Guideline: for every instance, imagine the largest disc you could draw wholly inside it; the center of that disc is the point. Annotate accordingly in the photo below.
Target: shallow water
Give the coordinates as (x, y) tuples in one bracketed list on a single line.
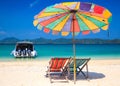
[(49, 50)]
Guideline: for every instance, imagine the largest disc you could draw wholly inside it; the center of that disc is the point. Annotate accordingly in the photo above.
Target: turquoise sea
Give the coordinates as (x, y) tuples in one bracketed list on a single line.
[(48, 51)]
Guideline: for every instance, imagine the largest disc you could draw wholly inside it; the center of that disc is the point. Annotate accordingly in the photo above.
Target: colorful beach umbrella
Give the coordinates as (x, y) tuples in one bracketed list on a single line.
[(75, 18)]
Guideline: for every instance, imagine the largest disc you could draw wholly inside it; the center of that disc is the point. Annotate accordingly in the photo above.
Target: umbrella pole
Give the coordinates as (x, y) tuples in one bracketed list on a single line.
[(74, 59), (74, 53)]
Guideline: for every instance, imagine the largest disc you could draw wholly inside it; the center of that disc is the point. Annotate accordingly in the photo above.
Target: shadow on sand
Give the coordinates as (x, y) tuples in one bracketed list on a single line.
[(91, 76)]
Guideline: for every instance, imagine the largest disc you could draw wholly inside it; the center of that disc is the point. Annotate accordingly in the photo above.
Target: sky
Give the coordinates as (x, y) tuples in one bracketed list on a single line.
[(16, 19)]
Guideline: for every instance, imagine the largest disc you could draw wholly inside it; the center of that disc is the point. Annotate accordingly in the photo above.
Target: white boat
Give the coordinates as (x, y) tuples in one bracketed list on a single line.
[(24, 49)]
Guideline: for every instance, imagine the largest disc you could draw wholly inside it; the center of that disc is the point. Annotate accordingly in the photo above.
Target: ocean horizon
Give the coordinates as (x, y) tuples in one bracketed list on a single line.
[(47, 51)]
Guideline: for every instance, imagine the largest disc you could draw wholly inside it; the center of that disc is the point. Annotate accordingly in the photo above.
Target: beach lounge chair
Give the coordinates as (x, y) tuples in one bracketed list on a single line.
[(80, 64), (57, 68)]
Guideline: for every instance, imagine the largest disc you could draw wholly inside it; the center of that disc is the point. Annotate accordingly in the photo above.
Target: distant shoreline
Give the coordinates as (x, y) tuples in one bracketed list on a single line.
[(13, 40)]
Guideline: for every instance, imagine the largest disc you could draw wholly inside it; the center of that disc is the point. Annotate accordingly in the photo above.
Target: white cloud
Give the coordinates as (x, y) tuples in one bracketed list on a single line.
[(2, 32), (33, 3)]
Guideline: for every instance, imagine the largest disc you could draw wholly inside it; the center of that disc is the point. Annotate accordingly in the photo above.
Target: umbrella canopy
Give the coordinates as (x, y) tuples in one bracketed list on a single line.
[(73, 17), (59, 18)]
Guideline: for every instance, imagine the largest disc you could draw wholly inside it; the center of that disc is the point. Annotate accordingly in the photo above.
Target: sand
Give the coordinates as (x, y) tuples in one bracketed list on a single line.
[(32, 73)]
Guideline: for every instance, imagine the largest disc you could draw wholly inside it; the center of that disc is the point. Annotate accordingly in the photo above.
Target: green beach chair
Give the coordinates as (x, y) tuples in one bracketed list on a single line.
[(80, 64)]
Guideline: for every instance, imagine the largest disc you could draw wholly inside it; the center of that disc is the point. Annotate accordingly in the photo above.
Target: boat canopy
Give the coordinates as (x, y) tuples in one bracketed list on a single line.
[(24, 45)]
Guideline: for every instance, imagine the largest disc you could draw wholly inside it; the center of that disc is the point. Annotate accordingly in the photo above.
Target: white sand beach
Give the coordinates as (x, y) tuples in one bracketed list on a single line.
[(32, 73)]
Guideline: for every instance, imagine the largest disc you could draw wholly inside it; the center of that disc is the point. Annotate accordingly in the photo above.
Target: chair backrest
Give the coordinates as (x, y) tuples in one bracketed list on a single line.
[(79, 62), (58, 63)]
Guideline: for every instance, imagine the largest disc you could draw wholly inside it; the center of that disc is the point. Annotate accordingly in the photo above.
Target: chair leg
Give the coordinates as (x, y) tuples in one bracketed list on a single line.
[(66, 77), (68, 71), (50, 79), (87, 70), (49, 76)]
